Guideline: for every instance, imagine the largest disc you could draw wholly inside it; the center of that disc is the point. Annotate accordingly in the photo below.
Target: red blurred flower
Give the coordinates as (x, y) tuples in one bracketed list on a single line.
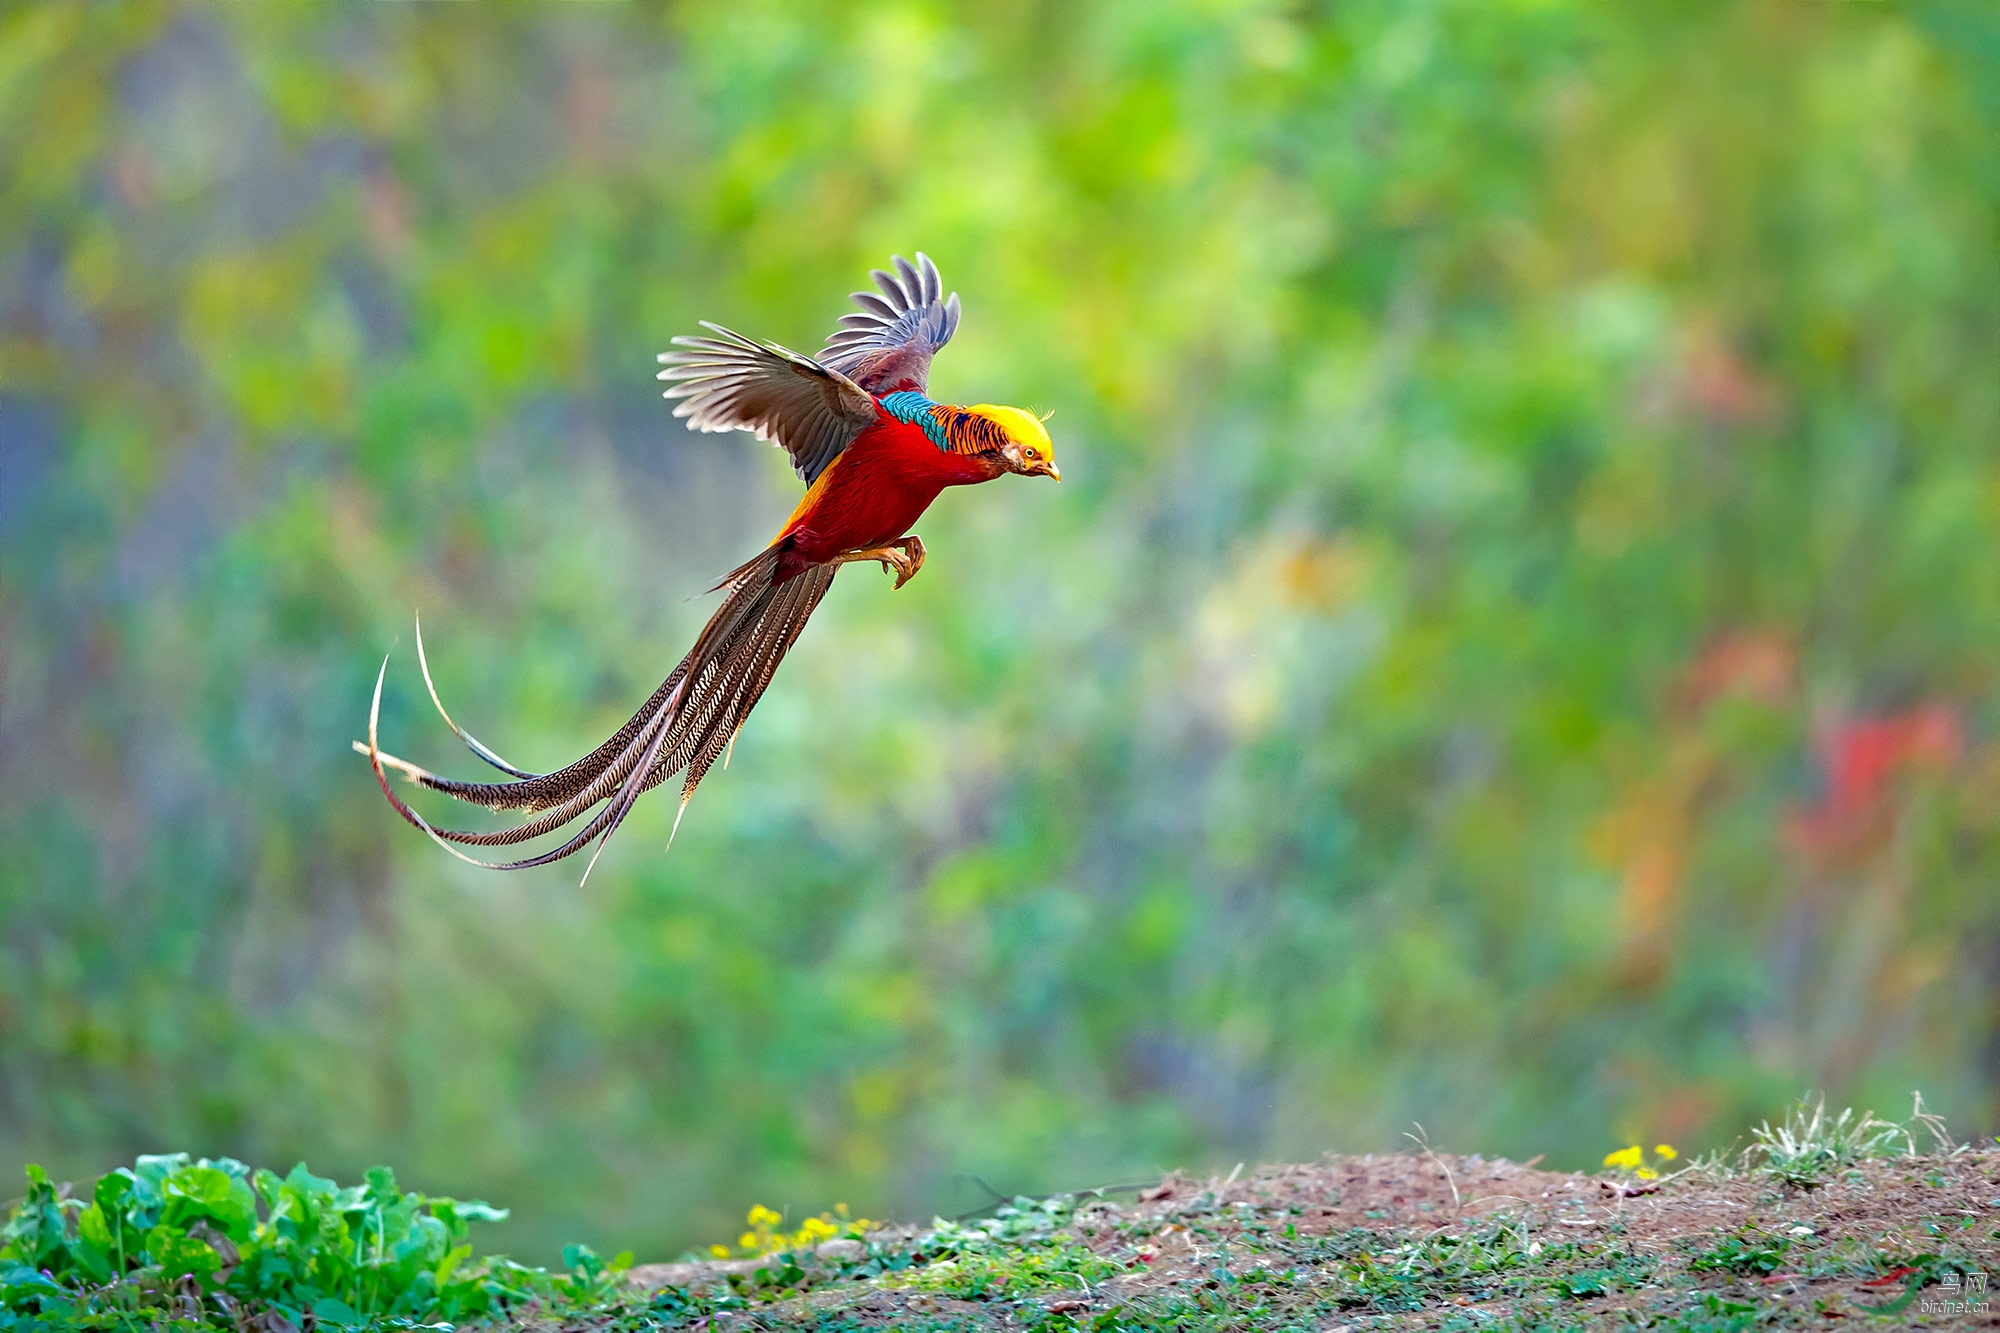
[(1859, 760)]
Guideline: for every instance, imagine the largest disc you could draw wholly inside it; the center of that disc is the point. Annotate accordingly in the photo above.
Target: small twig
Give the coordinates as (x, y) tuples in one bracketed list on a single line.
[(1422, 1139), (1000, 1199), (1630, 1190), (1502, 1198)]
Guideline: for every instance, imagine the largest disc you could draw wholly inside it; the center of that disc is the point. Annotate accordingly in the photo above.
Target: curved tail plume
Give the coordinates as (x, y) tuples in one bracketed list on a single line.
[(689, 722)]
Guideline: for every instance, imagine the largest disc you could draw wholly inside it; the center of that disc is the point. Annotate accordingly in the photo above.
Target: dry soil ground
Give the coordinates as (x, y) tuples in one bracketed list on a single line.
[(1403, 1242)]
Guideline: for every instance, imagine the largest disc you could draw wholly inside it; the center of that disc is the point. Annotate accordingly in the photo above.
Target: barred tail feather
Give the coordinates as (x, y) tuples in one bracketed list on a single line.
[(688, 723)]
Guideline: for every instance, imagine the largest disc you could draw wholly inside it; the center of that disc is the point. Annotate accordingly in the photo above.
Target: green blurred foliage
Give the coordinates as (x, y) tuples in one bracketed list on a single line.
[(1514, 649)]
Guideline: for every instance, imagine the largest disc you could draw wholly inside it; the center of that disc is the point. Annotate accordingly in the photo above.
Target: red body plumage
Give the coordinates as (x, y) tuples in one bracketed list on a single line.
[(874, 492)]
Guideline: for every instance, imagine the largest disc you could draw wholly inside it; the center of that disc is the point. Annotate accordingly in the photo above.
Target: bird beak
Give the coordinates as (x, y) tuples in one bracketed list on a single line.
[(1049, 469)]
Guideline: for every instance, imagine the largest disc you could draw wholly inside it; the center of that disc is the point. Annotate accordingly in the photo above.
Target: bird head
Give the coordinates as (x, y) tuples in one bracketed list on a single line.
[(1027, 449)]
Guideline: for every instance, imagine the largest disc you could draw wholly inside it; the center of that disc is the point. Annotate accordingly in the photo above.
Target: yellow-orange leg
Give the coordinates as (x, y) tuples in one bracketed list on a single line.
[(903, 558)]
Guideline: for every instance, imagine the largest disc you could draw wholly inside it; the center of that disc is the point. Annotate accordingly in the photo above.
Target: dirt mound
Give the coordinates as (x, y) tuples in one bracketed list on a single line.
[(1405, 1242)]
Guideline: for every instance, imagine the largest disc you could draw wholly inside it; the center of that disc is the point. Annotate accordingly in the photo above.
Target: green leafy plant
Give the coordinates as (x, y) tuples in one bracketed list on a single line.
[(1023, 1247), (212, 1242), (1714, 1314), (1750, 1253)]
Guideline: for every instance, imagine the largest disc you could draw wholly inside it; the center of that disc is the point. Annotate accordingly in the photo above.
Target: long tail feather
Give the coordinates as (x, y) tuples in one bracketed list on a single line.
[(554, 789), (472, 742), (439, 836), (614, 814), (690, 721)]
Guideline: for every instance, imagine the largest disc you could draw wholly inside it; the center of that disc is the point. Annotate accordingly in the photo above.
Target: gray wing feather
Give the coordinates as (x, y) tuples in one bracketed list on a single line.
[(878, 309), (730, 382), (888, 347)]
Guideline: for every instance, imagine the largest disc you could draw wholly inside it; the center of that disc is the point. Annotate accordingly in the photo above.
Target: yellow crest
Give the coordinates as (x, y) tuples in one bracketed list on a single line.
[(1024, 428)]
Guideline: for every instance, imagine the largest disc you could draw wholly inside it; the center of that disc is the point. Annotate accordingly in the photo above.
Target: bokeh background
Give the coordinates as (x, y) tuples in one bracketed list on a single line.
[(1517, 648)]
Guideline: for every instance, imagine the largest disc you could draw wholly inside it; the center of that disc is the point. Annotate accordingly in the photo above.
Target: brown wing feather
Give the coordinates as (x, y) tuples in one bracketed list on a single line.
[(730, 382)]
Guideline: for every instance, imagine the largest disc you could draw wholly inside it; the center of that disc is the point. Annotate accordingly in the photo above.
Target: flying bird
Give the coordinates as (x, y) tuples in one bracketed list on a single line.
[(873, 450)]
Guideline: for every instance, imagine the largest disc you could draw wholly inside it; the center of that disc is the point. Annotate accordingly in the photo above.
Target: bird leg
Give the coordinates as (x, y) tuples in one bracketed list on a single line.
[(903, 557)]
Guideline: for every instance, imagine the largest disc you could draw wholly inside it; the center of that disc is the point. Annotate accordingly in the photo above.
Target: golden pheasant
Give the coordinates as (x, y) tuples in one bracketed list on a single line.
[(874, 452)]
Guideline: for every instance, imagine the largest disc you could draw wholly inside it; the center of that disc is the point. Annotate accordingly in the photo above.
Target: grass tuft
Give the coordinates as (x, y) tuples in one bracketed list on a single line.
[(1809, 1146)]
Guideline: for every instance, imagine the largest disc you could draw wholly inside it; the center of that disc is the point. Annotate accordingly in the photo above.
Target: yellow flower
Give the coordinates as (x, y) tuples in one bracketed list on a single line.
[(840, 1208), (1665, 1152), (719, 1251), (762, 1216), (1626, 1158), (748, 1240), (1645, 1173)]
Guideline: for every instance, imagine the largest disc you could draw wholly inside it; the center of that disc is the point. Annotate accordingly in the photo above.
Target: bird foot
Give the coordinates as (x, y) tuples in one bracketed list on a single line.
[(903, 558)]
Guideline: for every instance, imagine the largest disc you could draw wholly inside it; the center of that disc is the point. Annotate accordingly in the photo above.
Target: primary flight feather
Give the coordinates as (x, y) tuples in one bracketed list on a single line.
[(873, 450)]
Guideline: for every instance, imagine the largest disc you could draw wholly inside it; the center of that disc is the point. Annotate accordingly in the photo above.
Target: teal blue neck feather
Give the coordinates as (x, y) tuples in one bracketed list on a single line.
[(913, 409)]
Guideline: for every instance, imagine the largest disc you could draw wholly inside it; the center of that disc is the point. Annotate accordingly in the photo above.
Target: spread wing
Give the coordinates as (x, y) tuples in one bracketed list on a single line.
[(730, 382), (887, 347)]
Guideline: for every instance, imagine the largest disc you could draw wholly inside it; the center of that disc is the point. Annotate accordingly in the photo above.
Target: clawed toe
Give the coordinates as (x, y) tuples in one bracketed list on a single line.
[(911, 558), (903, 558)]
